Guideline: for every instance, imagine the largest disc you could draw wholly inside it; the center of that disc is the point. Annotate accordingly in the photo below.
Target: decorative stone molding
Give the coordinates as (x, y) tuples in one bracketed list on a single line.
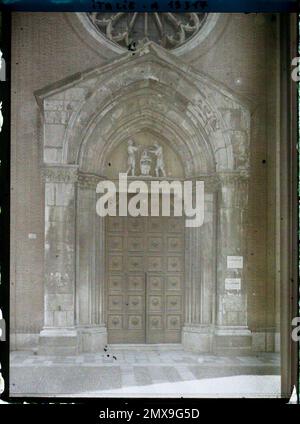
[(88, 180), (207, 34), (60, 174), (214, 182), (232, 177), (211, 182), (234, 189), (135, 91)]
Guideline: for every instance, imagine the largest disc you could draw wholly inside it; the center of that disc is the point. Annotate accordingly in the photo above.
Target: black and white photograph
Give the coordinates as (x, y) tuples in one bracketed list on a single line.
[(153, 204)]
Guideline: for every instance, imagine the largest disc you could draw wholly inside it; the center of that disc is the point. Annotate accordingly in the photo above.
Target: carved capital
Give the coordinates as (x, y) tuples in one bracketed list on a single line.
[(88, 180), (60, 174), (211, 183), (233, 177), (234, 189)]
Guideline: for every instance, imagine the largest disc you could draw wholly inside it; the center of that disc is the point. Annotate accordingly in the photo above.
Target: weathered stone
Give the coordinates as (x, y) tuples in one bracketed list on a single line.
[(54, 135), (203, 121)]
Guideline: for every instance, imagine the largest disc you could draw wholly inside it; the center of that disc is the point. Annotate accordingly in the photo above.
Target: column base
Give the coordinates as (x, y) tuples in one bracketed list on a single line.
[(266, 341), (92, 339), (197, 338), (58, 341), (233, 340), (71, 341)]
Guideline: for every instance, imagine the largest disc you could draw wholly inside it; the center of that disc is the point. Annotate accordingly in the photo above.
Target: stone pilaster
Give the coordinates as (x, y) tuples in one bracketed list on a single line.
[(59, 334), (100, 267), (200, 276), (90, 267), (231, 333)]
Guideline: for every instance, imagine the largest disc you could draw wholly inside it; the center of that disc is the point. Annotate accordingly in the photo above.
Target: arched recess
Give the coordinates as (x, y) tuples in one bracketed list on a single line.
[(85, 119), (174, 99)]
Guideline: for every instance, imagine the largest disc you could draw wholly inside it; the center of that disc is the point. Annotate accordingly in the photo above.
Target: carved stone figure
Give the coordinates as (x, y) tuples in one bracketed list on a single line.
[(145, 163), (160, 165), (132, 149)]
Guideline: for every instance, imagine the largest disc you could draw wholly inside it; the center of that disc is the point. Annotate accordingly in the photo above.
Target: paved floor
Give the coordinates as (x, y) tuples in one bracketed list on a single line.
[(143, 372)]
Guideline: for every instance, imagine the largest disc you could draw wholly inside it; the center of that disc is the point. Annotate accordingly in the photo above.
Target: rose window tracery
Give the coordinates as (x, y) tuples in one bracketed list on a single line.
[(128, 30)]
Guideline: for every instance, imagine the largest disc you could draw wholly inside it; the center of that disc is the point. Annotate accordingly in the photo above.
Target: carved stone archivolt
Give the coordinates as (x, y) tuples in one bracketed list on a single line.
[(136, 93)]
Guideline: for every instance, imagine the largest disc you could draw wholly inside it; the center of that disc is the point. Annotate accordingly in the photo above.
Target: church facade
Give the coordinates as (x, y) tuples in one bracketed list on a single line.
[(161, 97)]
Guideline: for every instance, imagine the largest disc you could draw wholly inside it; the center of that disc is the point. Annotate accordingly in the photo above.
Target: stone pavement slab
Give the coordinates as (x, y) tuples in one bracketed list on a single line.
[(139, 372)]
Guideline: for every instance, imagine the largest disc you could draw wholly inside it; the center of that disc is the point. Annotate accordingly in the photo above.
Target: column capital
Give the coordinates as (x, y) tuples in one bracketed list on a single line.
[(231, 177), (214, 182), (211, 182), (88, 180), (60, 174)]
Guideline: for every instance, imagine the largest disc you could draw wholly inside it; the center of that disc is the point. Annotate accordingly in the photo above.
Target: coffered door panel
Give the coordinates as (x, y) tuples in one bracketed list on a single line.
[(164, 282), (125, 280), (145, 257)]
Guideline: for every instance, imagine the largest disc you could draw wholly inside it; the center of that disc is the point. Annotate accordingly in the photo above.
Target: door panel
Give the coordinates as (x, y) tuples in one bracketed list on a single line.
[(145, 260)]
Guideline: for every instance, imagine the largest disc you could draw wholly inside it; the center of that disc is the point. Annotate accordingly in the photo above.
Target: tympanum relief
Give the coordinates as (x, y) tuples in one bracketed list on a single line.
[(148, 156), (144, 155)]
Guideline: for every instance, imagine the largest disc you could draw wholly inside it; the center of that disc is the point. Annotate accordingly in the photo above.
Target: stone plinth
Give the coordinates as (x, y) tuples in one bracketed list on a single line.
[(58, 341)]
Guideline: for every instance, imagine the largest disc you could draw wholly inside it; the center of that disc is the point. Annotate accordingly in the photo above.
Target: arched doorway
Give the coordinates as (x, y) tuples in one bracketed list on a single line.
[(144, 263), (208, 128)]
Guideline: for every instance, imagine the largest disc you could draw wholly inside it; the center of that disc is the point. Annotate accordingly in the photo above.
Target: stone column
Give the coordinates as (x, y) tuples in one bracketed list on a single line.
[(90, 243), (200, 276), (100, 273), (232, 334), (59, 335)]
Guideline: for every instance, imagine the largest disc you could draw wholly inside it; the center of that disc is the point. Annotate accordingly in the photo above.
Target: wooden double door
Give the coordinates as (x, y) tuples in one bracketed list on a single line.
[(145, 270)]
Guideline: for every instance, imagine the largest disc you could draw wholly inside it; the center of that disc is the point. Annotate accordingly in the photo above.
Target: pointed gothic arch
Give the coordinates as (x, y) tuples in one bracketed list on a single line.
[(85, 118)]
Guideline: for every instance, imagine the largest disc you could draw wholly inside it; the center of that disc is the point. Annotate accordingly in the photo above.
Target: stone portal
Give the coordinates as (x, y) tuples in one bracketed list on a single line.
[(90, 117)]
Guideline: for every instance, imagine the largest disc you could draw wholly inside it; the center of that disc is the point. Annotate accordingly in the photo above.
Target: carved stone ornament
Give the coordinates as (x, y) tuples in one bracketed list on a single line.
[(232, 177), (129, 30), (145, 163), (88, 180), (146, 157), (60, 174)]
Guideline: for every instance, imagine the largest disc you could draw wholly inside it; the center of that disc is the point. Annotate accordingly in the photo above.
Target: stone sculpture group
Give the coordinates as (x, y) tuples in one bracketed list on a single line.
[(145, 159)]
